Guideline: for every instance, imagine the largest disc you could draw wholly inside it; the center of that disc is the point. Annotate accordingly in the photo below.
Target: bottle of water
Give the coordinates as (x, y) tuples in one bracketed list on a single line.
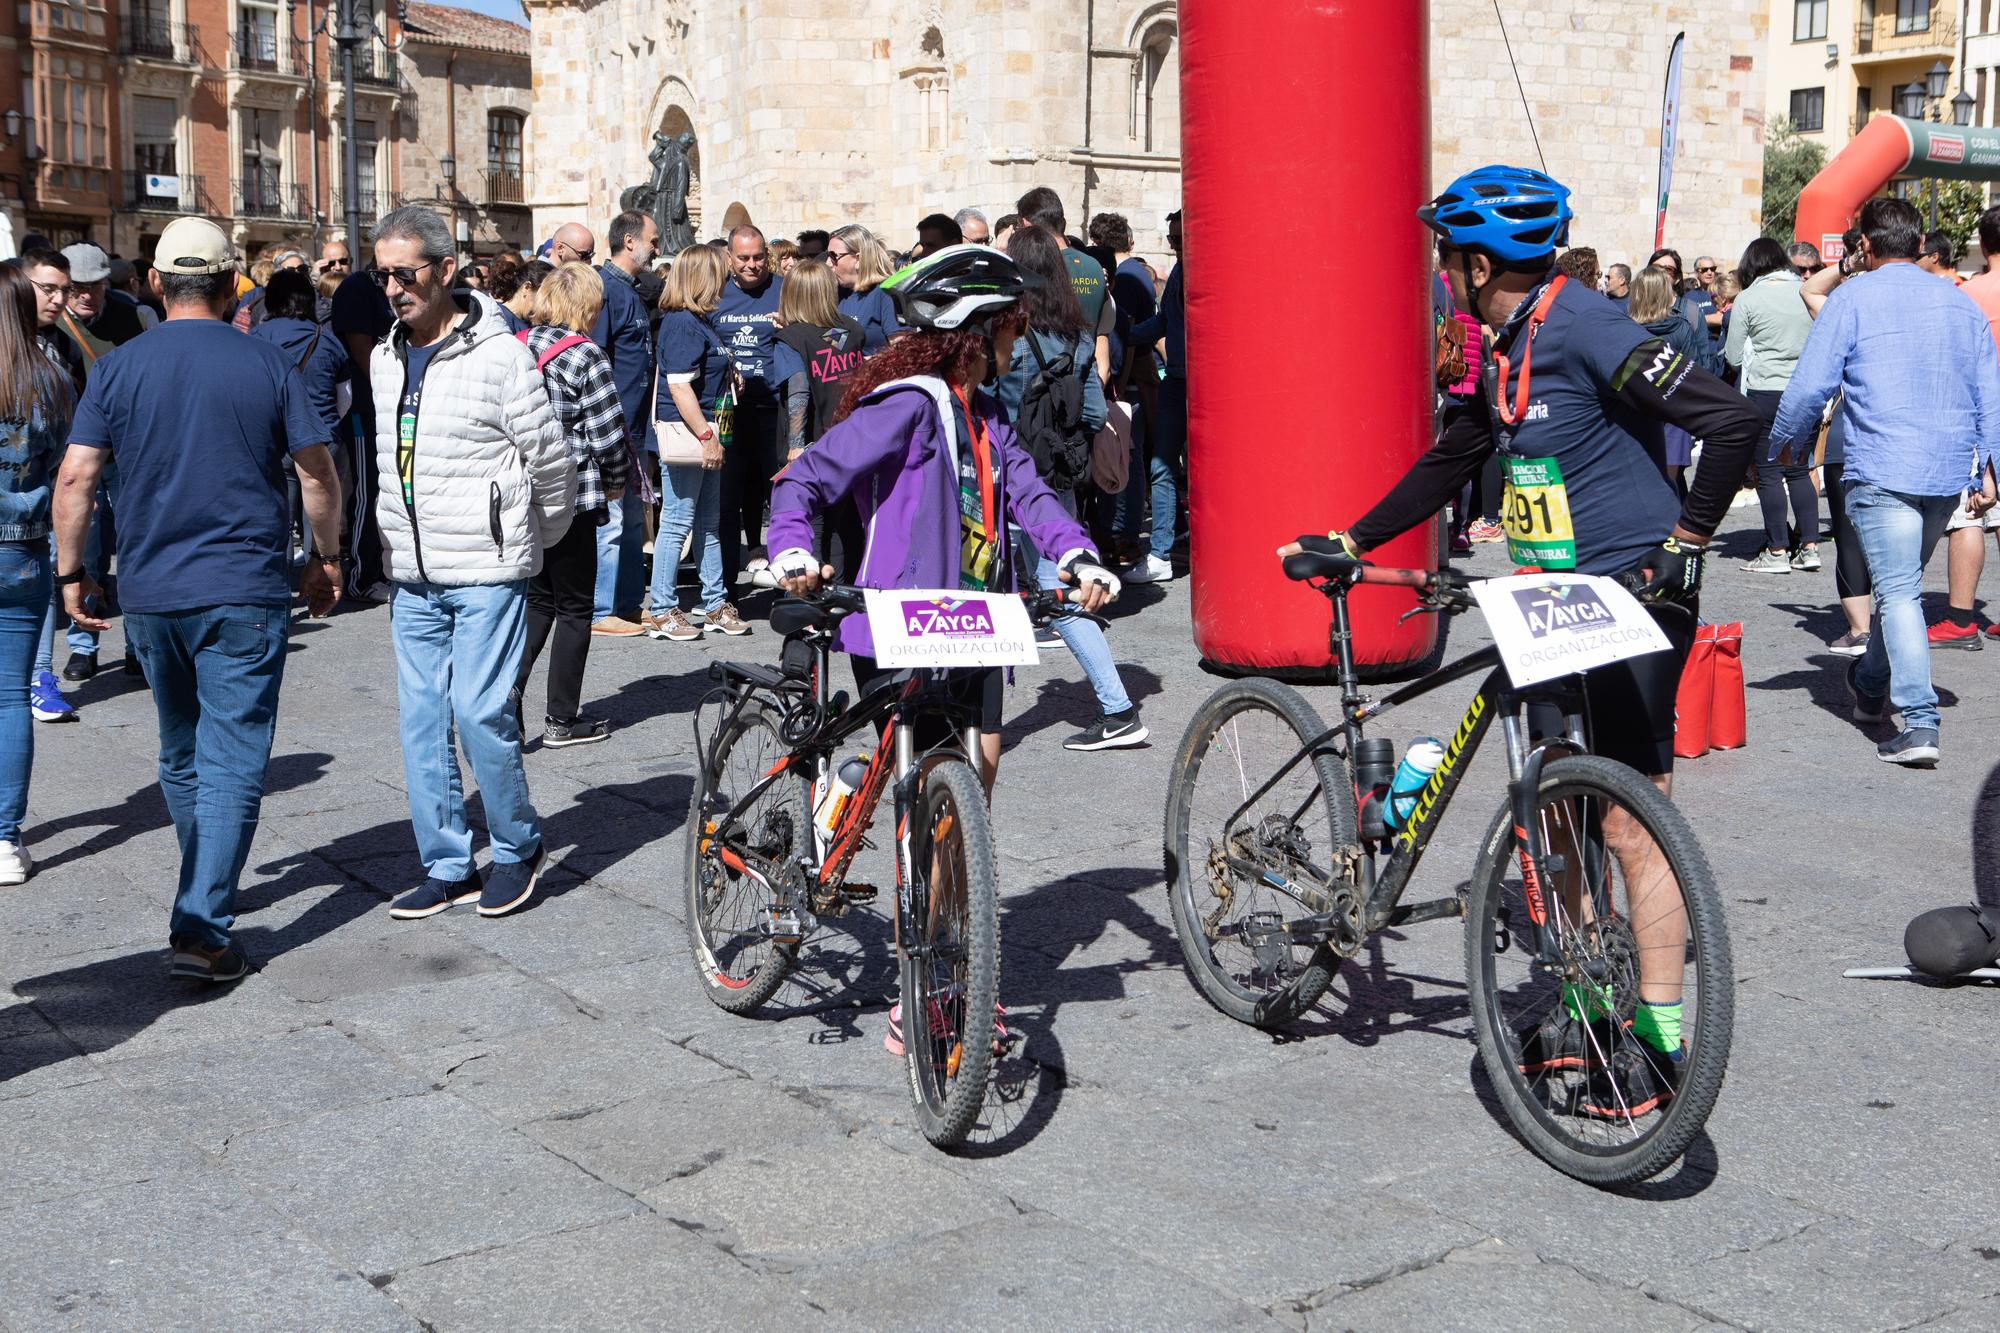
[(1420, 761), (840, 788)]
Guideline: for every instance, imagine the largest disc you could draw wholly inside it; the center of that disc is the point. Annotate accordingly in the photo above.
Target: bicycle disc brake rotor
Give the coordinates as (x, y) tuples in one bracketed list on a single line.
[(1607, 954)]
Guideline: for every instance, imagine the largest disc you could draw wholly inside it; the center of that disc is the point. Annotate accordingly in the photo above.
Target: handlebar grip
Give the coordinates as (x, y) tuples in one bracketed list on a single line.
[(1395, 578)]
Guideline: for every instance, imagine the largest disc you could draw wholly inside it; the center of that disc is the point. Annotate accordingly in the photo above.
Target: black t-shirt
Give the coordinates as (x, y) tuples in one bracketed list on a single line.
[(829, 356), (359, 306), (117, 323)]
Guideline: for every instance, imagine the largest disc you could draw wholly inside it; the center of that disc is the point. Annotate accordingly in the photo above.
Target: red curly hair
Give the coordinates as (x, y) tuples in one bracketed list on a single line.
[(951, 356)]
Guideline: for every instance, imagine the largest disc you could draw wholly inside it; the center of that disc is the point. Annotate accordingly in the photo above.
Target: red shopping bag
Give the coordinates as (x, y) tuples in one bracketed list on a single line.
[(1694, 704), (1728, 722)]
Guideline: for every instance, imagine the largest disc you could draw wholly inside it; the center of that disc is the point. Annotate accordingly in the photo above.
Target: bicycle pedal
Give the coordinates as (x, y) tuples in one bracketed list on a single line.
[(785, 927)]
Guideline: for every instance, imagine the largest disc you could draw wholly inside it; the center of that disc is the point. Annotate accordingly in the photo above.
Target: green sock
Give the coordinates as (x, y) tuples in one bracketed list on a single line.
[(1585, 1004), (1659, 1025)]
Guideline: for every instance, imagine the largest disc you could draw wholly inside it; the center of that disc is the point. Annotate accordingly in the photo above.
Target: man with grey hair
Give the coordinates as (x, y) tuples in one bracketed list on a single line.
[(1805, 258), (199, 419), (972, 226), (1618, 284), (476, 482)]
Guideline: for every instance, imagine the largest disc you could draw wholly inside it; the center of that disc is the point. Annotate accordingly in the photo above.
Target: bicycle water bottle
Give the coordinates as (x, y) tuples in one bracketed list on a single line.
[(1424, 757), (846, 780), (1374, 770)]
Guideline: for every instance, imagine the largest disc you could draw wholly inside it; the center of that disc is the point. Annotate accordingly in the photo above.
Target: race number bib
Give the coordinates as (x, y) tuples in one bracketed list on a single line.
[(936, 627), (1536, 513), (975, 544)]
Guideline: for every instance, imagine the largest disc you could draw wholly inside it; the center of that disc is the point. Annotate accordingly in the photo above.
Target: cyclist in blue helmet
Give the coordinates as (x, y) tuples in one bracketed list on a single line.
[(1573, 397)]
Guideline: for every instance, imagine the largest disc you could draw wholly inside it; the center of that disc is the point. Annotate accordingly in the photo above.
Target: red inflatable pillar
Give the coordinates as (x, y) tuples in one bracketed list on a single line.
[(1305, 152)]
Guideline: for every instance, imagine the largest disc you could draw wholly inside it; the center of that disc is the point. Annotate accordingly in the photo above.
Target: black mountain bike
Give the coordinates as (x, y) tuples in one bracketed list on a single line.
[(1283, 857), (762, 869)]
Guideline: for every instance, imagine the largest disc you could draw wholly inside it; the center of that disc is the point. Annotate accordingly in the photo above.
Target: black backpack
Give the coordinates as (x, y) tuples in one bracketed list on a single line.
[(1050, 424)]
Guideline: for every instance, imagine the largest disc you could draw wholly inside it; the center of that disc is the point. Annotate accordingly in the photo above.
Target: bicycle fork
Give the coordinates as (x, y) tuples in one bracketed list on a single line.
[(1525, 762)]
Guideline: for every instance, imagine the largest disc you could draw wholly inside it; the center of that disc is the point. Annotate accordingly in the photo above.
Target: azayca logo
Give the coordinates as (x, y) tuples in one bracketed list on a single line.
[(947, 619), (1561, 608)]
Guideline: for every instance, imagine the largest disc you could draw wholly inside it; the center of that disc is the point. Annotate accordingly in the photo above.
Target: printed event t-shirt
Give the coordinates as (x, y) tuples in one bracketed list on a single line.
[(828, 356), (198, 419), (416, 361), (747, 322), (690, 353)]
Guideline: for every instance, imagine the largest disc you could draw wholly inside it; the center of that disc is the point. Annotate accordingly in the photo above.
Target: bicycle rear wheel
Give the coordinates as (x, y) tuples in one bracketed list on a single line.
[(951, 952), (732, 905), (1230, 919), (1628, 901)]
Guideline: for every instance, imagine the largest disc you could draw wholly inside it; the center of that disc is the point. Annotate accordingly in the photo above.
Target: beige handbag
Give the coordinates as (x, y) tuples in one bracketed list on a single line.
[(678, 445)]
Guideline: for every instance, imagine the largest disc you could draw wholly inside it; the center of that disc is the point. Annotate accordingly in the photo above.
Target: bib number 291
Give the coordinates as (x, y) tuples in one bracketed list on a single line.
[(1535, 514)]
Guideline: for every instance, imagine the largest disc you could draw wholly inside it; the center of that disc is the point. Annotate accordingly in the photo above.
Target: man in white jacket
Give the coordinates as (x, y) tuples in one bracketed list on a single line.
[(476, 484)]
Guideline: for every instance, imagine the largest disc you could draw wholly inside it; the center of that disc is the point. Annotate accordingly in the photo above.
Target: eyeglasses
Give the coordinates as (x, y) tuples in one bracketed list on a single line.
[(336, 263), (1704, 268), (405, 277), (581, 256), (63, 290), (1808, 269), (834, 254)]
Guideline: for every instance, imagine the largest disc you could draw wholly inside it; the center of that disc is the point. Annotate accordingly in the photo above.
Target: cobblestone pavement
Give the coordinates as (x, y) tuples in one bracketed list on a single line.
[(538, 1122)]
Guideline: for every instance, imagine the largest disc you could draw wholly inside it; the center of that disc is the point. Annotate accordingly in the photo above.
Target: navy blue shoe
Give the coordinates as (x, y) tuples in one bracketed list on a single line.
[(1867, 707), (433, 896), (511, 883)]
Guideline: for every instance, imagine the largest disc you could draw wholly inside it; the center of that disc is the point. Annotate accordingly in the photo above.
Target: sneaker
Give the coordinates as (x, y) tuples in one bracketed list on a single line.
[(724, 620), (1806, 560), (1915, 748), (433, 896), (1111, 731), (577, 731), (81, 666), (15, 863), (759, 559), (1484, 530), (1151, 570), (377, 592), (892, 1041), (615, 627), (1769, 562), (45, 699), (1867, 707), (195, 961), (1461, 544), (1557, 1042), (131, 665), (1046, 637), (1635, 1081), (1851, 644), (1951, 634), (511, 883), (674, 625)]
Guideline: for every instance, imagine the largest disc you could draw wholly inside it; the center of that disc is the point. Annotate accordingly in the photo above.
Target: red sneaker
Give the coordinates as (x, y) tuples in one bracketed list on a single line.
[(1947, 634)]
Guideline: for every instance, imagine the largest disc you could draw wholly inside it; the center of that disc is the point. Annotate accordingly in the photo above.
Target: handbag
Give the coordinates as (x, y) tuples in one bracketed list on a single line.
[(1709, 709), (677, 444)]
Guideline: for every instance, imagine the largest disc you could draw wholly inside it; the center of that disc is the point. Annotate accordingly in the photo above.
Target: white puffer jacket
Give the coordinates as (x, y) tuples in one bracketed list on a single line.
[(490, 483)]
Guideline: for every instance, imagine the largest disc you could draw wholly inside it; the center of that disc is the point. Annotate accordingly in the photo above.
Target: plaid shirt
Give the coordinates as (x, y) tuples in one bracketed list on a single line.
[(586, 405)]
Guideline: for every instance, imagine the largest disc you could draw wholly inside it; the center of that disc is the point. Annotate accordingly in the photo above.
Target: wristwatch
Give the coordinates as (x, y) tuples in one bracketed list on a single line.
[(706, 435), (329, 559), (74, 576)]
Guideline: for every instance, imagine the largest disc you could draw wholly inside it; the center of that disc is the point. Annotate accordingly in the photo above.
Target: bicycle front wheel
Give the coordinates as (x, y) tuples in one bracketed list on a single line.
[(733, 907), (1601, 1086), (951, 952), (1222, 873)]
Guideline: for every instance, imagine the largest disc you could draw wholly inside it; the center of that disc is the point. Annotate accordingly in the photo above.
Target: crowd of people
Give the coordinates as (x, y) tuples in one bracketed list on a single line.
[(520, 456)]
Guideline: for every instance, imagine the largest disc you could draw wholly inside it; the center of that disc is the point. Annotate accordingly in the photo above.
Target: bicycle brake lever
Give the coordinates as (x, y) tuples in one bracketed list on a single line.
[(1421, 609)]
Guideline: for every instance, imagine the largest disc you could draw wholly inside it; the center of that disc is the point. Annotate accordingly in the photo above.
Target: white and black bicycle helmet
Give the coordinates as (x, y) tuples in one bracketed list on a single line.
[(959, 287)]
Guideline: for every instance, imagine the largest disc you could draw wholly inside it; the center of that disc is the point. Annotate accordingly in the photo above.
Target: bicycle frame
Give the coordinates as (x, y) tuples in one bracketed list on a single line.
[(1382, 904)]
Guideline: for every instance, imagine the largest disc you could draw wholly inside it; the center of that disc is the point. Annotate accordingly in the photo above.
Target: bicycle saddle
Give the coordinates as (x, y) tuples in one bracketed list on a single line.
[(1317, 565), (791, 615)]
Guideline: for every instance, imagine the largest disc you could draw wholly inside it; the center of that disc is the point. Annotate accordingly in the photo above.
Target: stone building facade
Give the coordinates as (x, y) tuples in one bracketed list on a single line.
[(809, 113), (466, 102)]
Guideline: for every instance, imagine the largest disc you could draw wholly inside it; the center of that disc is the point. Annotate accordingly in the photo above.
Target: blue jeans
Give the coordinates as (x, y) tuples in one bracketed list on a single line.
[(96, 557), (45, 646), (1168, 452), (457, 653), (1082, 637), (215, 673), (1897, 534), (690, 500), (24, 602), (621, 558)]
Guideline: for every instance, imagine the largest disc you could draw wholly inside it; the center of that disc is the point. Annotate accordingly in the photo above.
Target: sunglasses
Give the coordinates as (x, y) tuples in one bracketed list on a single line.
[(1705, 268), (582, 256), (405, 277)]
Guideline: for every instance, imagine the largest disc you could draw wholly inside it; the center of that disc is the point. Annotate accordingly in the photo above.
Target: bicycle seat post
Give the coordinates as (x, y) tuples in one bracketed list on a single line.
[(1341, 640)]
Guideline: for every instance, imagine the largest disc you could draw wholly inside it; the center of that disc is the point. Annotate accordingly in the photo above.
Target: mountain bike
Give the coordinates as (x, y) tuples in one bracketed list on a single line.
[(1588, 884), (766, 859)]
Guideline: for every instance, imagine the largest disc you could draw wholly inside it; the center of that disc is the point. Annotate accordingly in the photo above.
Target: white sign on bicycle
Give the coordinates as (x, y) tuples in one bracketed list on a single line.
[(935, 627), (1550, 625)]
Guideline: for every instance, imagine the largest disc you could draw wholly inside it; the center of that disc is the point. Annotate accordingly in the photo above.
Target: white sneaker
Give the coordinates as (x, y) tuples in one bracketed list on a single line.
[(15, 863), (1151, 570)]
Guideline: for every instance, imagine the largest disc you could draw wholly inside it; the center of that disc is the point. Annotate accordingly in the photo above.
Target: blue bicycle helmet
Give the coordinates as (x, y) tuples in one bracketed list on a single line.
[(1510, 214)]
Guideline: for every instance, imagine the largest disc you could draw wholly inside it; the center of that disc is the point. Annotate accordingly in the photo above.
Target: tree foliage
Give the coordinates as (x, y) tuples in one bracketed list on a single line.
[(1789, 163), (1959, 204)]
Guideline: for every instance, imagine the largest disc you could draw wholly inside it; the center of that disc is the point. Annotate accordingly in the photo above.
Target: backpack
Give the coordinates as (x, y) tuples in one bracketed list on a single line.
[(1050, 423), (556, 349)]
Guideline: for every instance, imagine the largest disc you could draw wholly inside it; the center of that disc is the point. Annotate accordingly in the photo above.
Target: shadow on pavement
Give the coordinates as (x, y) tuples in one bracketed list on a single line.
[(1369, 1000), (1068, 702)]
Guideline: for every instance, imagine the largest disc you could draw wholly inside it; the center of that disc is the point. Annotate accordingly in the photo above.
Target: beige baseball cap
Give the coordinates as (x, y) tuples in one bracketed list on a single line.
[(193, 246)]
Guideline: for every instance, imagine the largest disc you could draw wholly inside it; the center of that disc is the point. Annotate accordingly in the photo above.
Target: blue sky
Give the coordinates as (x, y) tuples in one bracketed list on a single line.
[(505, 9)]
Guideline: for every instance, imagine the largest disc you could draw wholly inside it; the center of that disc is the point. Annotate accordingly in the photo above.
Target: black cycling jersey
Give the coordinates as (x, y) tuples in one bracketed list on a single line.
[(1584, 459)]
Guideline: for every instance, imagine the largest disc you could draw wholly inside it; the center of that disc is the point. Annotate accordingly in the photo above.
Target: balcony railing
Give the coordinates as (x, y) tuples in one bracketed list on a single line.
[(375, 66), (367, 204), (154, 192), (1888, 36), (159, 39), (265, 52), (505, 187), (266, 197)]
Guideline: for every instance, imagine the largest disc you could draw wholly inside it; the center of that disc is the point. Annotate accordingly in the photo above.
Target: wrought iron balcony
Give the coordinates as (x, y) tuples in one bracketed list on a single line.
[(159, 39), (156, 192), (266, 197), (505, 187)]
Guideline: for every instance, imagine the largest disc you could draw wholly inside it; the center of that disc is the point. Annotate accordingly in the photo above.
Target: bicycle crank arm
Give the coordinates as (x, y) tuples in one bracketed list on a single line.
[(1411, 914)]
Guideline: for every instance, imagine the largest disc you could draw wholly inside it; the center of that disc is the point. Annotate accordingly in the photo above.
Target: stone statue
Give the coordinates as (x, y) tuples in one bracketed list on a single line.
[(665, 196)]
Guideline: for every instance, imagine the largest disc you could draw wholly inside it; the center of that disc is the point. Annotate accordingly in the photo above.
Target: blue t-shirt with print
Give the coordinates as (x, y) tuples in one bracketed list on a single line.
[(689, 347), (748, 323), (199, 418), (875, 311)]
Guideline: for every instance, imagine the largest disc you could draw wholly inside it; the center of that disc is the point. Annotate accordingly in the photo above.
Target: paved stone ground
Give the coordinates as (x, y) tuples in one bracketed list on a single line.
[(540, 1123)]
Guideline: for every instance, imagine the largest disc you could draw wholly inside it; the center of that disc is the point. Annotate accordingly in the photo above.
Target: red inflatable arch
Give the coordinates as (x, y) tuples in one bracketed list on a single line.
[(1308, 310), (1887, 147)]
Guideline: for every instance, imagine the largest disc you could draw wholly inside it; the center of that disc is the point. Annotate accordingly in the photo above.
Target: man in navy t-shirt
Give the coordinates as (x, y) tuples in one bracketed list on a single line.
[(747, 320), (360, 318), (199, 419)]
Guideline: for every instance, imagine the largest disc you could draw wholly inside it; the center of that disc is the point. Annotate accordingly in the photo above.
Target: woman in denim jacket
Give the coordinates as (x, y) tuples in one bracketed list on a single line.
[(35, 404)]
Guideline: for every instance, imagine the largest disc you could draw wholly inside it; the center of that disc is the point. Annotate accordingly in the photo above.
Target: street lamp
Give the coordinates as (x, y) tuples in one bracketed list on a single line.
[(349, 24), (1910, 101), (1934, 82), (448, 166), (1961, 108), (13, 123)]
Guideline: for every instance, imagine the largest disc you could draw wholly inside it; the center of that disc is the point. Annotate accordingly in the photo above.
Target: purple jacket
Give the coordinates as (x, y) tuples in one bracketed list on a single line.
[(897, 461)]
